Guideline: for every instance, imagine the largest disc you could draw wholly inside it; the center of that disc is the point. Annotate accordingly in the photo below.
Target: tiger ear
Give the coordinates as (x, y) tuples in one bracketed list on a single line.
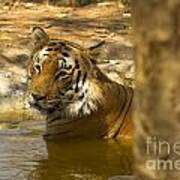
[(39, 37), (97, 50)]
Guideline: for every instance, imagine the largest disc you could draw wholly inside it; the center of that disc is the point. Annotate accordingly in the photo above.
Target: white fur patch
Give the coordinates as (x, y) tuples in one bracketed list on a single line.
[(89, 103)]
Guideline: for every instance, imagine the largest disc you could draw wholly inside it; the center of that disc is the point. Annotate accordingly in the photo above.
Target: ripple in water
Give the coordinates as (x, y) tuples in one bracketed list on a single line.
[(24, 155)]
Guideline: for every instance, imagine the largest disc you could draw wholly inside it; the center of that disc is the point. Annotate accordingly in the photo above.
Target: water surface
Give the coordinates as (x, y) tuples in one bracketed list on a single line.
[(24, 155)]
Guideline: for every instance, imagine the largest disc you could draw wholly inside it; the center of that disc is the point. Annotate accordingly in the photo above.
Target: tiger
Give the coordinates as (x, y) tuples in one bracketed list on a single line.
[(76, 97)]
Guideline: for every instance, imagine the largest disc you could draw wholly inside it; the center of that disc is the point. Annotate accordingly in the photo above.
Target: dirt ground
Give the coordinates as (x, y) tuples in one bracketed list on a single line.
[(87, 25), (84, 25)]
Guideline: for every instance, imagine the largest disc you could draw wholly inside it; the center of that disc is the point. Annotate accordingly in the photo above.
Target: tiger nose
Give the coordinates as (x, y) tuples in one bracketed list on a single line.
[(37, 97)]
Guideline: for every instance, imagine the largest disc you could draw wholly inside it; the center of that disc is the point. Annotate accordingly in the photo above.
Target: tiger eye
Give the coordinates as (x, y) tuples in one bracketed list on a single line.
[(56, 49), (65, 54), (49, 49)]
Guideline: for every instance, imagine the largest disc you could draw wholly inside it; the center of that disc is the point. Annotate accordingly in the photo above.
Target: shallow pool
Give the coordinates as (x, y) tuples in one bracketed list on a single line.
[(24, 155)]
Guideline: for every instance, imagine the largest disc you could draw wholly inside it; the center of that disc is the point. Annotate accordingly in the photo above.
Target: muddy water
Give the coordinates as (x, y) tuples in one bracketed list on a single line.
[(24, 155)]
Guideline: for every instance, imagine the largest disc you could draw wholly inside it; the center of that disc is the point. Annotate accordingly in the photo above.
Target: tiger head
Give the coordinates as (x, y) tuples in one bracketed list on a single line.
[(63, 76)]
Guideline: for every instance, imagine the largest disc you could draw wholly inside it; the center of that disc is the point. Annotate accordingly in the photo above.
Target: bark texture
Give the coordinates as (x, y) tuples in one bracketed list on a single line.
[(157, 103)]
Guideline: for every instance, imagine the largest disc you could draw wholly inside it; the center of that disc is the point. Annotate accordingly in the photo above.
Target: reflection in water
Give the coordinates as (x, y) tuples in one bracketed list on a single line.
[(82, 159), (19, 156), (28, 156)]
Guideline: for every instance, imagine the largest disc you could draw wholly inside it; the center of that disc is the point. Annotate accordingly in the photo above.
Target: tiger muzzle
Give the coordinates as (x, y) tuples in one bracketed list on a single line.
[(37, 97), (42, 104)]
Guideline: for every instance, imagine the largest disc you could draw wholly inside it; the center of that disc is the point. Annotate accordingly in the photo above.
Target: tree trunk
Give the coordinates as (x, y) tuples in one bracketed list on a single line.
[(157, 102)]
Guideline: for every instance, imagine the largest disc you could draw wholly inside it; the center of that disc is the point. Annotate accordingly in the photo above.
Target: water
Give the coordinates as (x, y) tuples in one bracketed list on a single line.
[(24, 155)]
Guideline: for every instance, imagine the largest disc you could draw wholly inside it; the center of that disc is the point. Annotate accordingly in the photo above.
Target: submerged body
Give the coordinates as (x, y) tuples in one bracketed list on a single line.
[(78, 99)]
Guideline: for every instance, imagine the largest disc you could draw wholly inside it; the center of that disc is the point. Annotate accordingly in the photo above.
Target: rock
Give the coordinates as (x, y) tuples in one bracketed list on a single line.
[(13, 90), (125, 177), (121, 71)]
